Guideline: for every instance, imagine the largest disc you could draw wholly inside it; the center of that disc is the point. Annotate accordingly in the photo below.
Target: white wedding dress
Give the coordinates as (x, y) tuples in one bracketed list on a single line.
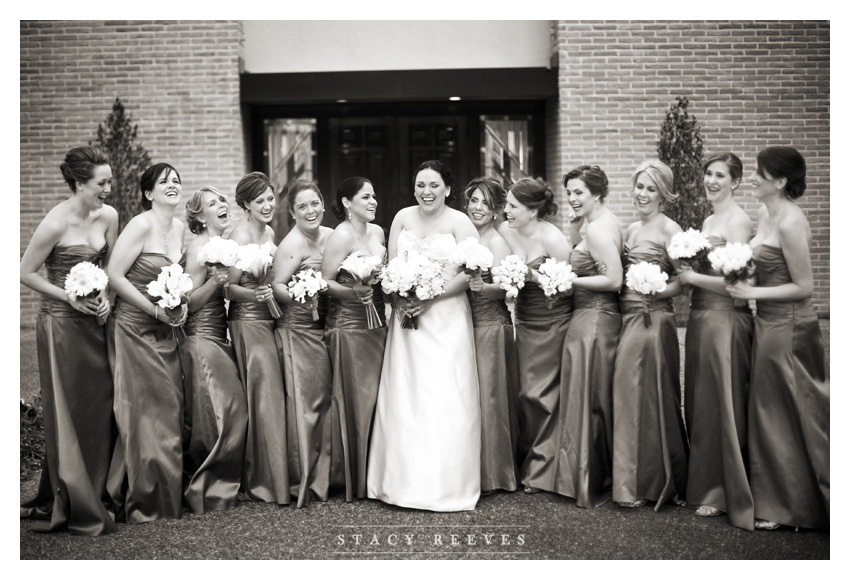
[(426, 440)]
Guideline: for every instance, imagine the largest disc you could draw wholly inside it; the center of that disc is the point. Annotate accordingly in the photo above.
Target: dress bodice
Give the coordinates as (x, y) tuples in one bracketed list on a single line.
[(702, 299), (301, 315), (144, 270), (653, 253), (584, 265), (531, 302), (211, 320), (57, 265), (351, 313), (772, 270), (436, 246), (486, 312), (248, 310)]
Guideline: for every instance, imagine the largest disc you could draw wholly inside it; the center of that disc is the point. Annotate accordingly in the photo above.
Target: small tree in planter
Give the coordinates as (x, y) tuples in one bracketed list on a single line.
[(680, 147), (127, 158)]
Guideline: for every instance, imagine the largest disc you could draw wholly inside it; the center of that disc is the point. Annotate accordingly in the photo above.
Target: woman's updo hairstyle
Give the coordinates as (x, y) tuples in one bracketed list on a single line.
[(592, 176), (251, 187), (733, 164), (347, 189), (296, 187), (195, 207), (80, 163), (439, 167), (787, 162), (535, 194), (492, 190), (660, 174), (148, 181)]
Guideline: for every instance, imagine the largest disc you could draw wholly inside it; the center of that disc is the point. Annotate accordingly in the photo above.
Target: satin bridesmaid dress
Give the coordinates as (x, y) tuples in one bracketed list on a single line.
[(789, 406), (650, 442), (586, 421), (77, 392), (540, 333), (309, 384), (216, 410), (498, 383), (148, 403), (356, 355), (265, 469), (718, 348)]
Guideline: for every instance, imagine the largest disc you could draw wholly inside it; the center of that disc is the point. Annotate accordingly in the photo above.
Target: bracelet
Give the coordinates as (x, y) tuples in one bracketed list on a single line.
[(156, 311)]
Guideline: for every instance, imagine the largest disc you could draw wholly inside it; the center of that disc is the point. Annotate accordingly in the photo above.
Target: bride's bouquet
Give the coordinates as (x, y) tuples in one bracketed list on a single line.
[(413, 273), (85, 280), (366, 270), (219, 253), (735, 262), (555, 277), (305, 285), (472, 256), (645, 278), (689, 246), (257, 260), (510, 275), (172, 287)]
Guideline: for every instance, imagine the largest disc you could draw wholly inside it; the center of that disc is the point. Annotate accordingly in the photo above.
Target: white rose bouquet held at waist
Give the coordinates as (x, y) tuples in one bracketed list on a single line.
[(510, 275), (366, 270), (172, 287), (688, 247), (219, 253), (257, 260), (646, 279), (735, 262), (85, 280), (413, 274), (305, 285), (472, 256), (555, 277)]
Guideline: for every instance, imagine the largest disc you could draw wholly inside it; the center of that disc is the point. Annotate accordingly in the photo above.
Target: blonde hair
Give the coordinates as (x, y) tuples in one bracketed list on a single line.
[(660, 174), (195, 206)]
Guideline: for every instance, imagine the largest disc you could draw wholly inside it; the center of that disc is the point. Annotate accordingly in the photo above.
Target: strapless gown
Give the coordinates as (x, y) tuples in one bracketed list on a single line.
[(356, 354), (586, 421), (426, 441), (718, 348), (650, 443), (540, 333), (498, 381), (76, 391), (789, 406), (148, 403), (309, 382), (216, 410), (265, 469)]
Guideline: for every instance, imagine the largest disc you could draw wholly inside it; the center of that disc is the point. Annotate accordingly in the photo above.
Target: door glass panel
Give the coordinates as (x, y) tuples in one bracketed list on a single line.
[(290, 155), (506, 151)]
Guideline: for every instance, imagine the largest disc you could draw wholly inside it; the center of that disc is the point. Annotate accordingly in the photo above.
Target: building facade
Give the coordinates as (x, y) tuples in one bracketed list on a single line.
[(327, 100)]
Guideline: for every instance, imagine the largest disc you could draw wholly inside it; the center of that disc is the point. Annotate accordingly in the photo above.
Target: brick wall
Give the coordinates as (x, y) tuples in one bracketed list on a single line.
[(750, 85), (178, 80)]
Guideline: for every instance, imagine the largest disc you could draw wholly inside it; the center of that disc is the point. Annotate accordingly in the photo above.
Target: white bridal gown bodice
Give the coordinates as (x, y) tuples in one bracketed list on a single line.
[(426, 440)]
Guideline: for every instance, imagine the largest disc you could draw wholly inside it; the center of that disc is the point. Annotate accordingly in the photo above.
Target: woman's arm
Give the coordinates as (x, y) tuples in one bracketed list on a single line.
[(202, 288), (337, 249), (500, 250), (738, 231), (287, 260), (674, 287), (602, 245)]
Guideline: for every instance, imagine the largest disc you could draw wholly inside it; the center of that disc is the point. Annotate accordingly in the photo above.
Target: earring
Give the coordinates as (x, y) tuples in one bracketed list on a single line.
[(349, 214)]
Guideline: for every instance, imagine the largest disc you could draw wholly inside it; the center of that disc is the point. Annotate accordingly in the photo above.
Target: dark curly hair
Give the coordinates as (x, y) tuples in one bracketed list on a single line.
[(491, 188), (780, 161), (347, 189), (148, 180), (80, 163), (535, 194), (251, 187), (592, 176)]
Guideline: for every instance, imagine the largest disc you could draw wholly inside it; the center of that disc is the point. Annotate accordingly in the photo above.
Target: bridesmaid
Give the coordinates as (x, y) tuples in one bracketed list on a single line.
[(540, 329), (356, 352), (495, 349), (265, 473), (76, 381), (788, 432), (650, 443), (586, 413), (301, 347), (148, 379), (216, 409), (717, 362)]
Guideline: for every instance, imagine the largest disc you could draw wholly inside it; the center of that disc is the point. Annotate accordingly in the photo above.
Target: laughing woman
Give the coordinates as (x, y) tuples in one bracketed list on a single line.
[(718, 346), (216, 408), (301, 347), (789, 393), (76, 382), (586, 409), (265, 472), (650, 444), (148, 379)]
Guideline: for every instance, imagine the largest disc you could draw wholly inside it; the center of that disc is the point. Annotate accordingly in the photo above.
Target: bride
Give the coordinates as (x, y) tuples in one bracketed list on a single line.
[(426, 441)]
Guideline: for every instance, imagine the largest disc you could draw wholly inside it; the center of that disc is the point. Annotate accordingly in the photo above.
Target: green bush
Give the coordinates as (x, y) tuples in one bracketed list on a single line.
[(32, 437)]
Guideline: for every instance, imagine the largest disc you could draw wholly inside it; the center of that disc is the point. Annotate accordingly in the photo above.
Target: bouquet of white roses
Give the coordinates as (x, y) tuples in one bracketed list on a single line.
[(555, 277), (304, 285), (219, 253), (413, 273), (172, 287), (510, 275), (735, 262), (257, 260), (472, 256), (85, 280), (366, 270), (688, 246), (645, 278)]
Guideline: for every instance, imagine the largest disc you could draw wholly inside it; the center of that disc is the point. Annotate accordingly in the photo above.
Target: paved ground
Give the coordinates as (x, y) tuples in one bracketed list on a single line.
[(504, 526)]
